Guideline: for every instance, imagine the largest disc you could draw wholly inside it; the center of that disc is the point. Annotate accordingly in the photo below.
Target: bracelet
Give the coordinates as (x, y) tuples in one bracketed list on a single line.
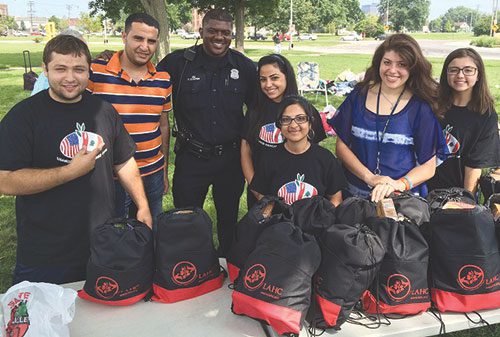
[(407, 182)]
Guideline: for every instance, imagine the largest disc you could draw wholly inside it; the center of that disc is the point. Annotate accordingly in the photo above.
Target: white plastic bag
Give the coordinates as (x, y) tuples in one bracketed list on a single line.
[(38, 310)]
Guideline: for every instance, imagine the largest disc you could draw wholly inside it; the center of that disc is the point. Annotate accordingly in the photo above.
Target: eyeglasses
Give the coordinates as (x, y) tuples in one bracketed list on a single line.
[(467, 71), (299, 119)]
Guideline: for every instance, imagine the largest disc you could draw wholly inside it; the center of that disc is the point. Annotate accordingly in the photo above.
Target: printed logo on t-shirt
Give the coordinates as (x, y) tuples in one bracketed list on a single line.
[(19, 321), (73, 142), (451, 142), (270, 134), (296, 190)]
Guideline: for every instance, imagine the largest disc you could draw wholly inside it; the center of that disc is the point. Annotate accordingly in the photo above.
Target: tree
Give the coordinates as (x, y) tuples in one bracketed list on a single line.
[(409, 14), (23, 25), (7, 22), (482, 25), (461, 14), (370, 25), (90, 24), (56, 21), (447, 26), (436, 24)]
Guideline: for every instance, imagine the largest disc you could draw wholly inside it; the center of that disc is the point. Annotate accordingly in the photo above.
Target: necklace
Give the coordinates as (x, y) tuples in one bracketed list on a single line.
[(387, 99), (384, 130), (297, 151)]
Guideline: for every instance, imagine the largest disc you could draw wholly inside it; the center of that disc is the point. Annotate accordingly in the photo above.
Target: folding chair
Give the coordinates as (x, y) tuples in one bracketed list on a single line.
[(308, 79)]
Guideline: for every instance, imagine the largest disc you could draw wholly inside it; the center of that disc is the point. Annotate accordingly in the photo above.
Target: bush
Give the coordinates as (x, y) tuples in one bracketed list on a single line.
[(486, 41), (38, 39)]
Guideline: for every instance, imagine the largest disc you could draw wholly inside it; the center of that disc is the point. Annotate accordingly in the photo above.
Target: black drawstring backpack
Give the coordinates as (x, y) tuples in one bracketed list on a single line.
[(412, 207), (187, 265), (439, 197), (401, 285), (355, 210), (121, 263), (490, 184), (314, 215), (249, 228), (495, 199), (274, 286), (351, 257), (464, 259)]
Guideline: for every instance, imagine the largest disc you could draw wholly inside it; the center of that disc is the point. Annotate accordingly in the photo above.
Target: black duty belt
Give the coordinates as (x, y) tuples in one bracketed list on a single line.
[(206, 151)]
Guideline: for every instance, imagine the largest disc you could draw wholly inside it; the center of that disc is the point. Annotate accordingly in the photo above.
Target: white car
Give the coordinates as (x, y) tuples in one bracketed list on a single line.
[(351, 37), (19, 33), (306, 36), (194, 35)]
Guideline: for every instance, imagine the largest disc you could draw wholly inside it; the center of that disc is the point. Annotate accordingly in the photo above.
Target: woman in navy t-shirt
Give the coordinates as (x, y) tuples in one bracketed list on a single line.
[(388, 135)]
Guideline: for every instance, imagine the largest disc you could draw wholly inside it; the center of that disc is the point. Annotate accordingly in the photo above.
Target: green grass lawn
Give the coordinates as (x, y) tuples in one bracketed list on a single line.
[(330, 66)]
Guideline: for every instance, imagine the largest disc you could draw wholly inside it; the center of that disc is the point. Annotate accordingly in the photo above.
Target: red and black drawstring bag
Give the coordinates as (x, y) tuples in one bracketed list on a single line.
[(401, 285), (187, 265), (274, 286), (351, 257), (464, 259), (121, 263), (267, 211), (412, 207), (355, 210), (314, 215)]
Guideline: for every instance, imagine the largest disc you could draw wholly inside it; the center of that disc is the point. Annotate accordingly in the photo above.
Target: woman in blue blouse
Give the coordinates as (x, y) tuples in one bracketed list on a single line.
[(388, 135)]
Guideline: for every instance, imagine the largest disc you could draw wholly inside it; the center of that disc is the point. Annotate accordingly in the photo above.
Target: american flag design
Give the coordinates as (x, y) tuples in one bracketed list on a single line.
[(72, 143), (451, 142), (296, 190), (271, 134)]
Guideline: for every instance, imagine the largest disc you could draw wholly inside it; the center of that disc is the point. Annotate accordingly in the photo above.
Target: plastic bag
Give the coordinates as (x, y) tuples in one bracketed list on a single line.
[(37, 310)]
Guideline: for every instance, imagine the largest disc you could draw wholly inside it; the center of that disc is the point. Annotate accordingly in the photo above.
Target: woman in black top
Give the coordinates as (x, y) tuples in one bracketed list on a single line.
[(260, 133), (469, 121), (298, 168)]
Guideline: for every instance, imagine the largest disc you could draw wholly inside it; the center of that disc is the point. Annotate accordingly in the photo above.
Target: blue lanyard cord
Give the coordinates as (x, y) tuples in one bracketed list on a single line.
[(381, 139)]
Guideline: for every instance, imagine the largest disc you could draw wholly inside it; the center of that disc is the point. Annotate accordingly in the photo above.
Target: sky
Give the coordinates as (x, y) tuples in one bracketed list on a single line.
[(47, 9)]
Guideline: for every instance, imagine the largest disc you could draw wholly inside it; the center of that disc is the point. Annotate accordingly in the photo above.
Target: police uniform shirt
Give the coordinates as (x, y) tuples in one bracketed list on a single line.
[(208, 99)]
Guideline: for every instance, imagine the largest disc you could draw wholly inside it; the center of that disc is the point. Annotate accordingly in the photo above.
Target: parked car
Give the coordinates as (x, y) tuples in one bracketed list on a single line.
[(381, 37), (351, 37), (257, 37), (19, 33), (311, 37), (188, 36), (3, 33)]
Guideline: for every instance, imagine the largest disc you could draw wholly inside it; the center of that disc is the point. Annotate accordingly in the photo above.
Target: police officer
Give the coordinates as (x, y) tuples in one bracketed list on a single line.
[(211, 83)]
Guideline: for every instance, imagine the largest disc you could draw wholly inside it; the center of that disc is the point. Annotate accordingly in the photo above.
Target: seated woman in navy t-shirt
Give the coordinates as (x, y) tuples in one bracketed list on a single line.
[(298, 168)]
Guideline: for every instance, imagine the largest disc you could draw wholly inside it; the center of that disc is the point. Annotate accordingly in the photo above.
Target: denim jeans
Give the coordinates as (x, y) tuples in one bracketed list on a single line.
[(153, 185)]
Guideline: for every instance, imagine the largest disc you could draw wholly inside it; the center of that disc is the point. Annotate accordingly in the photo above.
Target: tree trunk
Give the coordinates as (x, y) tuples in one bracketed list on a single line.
[(158, 10), (240, 24)]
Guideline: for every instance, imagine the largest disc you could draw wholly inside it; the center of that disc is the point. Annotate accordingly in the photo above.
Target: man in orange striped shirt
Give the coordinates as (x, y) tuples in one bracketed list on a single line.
[(142, 97)]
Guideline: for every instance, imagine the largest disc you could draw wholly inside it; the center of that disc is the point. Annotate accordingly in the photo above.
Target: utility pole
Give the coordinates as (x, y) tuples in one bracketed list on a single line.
[(494, 18), (31, 12)]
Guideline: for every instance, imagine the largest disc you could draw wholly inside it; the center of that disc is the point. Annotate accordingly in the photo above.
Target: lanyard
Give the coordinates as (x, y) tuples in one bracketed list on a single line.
[(381, 139)]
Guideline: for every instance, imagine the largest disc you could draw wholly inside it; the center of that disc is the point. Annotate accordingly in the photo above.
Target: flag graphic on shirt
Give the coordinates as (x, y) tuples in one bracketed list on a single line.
[(271, 134), (72, 143), (452, 146), (296, 190)]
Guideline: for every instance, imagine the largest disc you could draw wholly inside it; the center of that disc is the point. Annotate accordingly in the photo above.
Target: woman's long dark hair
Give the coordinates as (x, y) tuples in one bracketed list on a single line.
[(481, 101), (420, 81), (257, 114)]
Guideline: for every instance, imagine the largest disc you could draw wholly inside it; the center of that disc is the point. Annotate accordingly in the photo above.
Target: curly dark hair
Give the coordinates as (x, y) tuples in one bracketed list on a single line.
[(420, 81)]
